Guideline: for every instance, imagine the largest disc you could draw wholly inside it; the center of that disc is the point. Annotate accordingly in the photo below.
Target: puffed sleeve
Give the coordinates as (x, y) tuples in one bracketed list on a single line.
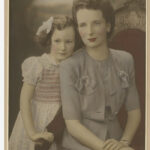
[(69, 94), (31, 70), (132, 99)]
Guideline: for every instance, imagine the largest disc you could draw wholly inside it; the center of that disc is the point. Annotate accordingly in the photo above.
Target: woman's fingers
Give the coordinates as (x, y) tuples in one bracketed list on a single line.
[(112, 144), (118, 146), (126, 148), (108, 144)]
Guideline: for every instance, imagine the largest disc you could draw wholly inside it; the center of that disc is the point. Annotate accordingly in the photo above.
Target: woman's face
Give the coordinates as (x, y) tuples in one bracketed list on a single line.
[(62, 43), (92, 27)]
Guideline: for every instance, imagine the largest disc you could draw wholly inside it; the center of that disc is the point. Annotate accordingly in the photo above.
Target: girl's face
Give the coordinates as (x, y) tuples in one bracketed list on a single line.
[(92, 27), (62, 43)]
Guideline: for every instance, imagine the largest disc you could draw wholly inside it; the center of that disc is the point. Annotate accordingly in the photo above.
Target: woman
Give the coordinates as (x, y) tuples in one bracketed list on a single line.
[(95, 82)]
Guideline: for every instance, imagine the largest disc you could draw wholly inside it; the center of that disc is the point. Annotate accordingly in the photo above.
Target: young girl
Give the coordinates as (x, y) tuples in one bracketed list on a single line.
[(95, 82), (40, 94)]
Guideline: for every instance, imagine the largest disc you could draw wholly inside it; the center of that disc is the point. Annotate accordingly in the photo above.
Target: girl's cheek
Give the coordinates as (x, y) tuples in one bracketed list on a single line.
[(54, 49)]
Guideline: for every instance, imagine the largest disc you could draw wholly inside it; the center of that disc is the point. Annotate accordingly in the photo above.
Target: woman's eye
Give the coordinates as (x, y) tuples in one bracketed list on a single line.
[(97, 22), (57, 40), (69, 41)]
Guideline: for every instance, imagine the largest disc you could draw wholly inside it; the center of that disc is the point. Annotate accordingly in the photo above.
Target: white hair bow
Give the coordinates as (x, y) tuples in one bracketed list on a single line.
[(46, 26)]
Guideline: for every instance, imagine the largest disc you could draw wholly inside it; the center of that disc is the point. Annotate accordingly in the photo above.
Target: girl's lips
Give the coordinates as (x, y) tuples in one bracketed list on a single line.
[(92, 39), (62, 54)]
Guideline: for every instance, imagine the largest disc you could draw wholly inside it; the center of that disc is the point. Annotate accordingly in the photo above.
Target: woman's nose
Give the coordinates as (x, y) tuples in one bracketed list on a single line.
[(89, 30)]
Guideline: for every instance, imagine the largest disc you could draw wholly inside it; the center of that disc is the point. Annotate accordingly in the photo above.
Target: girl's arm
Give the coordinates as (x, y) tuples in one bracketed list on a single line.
[(25, 107), (83, 135), (133, 120)]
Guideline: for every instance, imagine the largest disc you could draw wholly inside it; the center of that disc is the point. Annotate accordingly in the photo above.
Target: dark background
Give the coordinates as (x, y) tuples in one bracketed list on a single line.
[(27, 15)]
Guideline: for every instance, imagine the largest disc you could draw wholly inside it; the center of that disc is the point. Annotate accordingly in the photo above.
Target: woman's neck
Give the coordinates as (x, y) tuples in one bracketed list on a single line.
[(98, 53)]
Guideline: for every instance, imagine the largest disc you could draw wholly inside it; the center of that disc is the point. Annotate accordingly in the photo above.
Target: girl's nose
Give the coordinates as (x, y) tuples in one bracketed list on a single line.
[(62, 46)]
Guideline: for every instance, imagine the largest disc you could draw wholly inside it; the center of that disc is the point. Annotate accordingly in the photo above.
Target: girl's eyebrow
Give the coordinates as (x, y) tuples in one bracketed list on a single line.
[(57, 38)]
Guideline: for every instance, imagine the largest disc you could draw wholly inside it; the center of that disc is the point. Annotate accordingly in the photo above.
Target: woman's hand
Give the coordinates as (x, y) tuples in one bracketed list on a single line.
[(112, 144), (39, 137)]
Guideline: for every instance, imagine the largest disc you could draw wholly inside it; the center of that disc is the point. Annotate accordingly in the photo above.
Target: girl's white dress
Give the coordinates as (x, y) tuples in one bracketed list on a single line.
[(44, 75)]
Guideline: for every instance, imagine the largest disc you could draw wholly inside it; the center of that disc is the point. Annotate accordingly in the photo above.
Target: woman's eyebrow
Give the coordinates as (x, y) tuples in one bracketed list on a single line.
[(97, 20), (81, 22)]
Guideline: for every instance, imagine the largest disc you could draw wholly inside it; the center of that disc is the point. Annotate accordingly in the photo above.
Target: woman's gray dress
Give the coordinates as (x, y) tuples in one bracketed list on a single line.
[(94, 91)]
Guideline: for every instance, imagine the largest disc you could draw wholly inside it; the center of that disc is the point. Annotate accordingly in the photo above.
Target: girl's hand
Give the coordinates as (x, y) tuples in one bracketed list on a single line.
[(112, 144), (39, 137)]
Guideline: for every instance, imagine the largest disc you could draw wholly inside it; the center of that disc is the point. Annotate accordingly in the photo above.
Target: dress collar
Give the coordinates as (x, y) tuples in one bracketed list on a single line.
[(47, 61)]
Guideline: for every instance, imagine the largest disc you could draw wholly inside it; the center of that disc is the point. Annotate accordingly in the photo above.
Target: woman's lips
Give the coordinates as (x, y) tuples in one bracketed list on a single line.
[(92, 39)]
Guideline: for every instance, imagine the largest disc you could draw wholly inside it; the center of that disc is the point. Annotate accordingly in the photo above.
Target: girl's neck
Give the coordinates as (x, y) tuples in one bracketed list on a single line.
[(98, 53), (53, 59)]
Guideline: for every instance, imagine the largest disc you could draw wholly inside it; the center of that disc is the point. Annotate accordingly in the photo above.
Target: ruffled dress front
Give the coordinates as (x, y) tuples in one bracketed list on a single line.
[(42, 73)]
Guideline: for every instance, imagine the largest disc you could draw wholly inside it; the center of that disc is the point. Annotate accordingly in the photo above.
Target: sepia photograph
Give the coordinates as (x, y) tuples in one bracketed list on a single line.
[(77, 75)]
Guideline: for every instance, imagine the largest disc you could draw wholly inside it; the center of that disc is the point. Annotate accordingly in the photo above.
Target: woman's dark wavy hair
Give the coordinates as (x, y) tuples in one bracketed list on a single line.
[(102, 5), (59, 23)]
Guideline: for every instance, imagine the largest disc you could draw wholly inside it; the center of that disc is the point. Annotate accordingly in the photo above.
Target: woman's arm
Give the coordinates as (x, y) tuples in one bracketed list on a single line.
[(83, 135), (133, 120), (25, 107)]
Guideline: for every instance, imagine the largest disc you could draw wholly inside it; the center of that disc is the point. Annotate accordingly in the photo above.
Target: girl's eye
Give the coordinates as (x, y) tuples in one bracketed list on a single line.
[(82, 24)]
